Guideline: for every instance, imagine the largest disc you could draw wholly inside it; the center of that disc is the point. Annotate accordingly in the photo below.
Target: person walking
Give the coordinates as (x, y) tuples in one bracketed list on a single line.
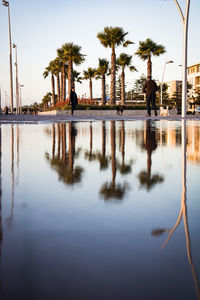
[(150, 88), (73, 100)]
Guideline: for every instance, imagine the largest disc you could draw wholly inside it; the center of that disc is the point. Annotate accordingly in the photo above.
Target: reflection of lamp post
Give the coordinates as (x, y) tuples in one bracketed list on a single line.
[(161, 86), (0, 104), (17, 85), (185, 42), (20, 92), (6, 4)]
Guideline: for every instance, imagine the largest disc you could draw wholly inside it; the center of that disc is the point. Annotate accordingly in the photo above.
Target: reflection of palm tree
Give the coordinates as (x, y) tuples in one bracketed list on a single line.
[(103, 160), (146, 179), (90, 155), (63, 136), (183, 212), (64, 165), (58, 133), (113, 190), (53, 144), (123, 168)]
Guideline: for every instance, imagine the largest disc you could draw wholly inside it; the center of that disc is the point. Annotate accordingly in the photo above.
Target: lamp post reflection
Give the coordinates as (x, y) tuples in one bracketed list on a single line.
[(1, 229), (10, 218), (183, 213)]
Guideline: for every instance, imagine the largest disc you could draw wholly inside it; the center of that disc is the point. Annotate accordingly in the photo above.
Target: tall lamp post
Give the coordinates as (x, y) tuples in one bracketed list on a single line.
[(20, 92), (185, 44), (17, 84), (161, 87), (6, 4)]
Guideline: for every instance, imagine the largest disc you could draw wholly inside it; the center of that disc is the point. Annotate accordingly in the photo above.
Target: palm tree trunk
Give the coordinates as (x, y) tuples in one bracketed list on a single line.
[(58, 87), (113, 71), (53, 89), (70, 77), (64, 84), (90, 84), (103, 100), (62, 81), (122, 87), (149, 66)]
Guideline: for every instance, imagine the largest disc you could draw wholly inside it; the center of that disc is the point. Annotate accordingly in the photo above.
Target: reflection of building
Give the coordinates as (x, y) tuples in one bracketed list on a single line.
[(194, 78), (173, 137), (193, 144), (174, 86)]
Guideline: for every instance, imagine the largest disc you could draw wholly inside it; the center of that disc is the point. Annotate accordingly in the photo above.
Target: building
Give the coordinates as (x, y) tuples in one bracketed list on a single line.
[(174, 86), (194, 78)]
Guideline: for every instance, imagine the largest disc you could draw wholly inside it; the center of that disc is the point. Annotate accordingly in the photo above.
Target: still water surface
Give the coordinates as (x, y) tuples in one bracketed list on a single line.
[(100, 210)]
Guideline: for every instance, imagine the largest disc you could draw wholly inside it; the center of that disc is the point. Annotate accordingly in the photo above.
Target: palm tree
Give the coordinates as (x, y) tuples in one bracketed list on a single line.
[(101, 73), (45, 100), (57, 63), (124, 61), (146, 50), (76, 77), (51, 70), (89, 74), (113, 37), (64, 66), (71, 54)]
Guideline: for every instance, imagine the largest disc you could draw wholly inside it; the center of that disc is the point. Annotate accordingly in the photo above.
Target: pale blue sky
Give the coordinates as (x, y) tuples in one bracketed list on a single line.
[(40, 27)]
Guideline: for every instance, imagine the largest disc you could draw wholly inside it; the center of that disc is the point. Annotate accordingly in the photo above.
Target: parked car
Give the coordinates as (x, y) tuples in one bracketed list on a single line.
[(197, 109)]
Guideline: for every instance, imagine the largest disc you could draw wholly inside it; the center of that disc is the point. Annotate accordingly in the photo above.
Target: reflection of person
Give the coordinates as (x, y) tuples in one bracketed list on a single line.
[(150, 88), (73, 100), (150, 144), (147, 180)]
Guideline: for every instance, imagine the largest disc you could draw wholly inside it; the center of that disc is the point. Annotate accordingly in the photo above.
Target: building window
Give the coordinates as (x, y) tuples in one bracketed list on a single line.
[(197, 79)]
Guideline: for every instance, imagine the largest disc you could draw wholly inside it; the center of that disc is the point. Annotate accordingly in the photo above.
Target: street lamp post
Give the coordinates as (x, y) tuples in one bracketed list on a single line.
[(17, 84), (20, 97), (185, 46), (6, 4), (161, 86)]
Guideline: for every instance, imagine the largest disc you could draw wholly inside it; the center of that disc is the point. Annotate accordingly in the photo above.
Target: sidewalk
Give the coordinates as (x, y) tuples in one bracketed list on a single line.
[(90, 115)]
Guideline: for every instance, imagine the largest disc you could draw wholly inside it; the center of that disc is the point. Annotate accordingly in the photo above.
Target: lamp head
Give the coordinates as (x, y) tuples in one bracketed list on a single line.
[(169, 62)]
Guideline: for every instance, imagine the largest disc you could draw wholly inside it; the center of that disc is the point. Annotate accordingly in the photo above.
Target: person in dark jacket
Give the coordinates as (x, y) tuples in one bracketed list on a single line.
[(150, 88), (73, 100)]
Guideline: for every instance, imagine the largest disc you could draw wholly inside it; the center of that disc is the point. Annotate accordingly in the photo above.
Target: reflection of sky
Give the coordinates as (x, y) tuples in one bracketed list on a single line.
[(69, 227)]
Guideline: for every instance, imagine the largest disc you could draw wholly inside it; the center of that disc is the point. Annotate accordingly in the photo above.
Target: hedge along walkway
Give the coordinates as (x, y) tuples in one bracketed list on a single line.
[(90, 115)]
